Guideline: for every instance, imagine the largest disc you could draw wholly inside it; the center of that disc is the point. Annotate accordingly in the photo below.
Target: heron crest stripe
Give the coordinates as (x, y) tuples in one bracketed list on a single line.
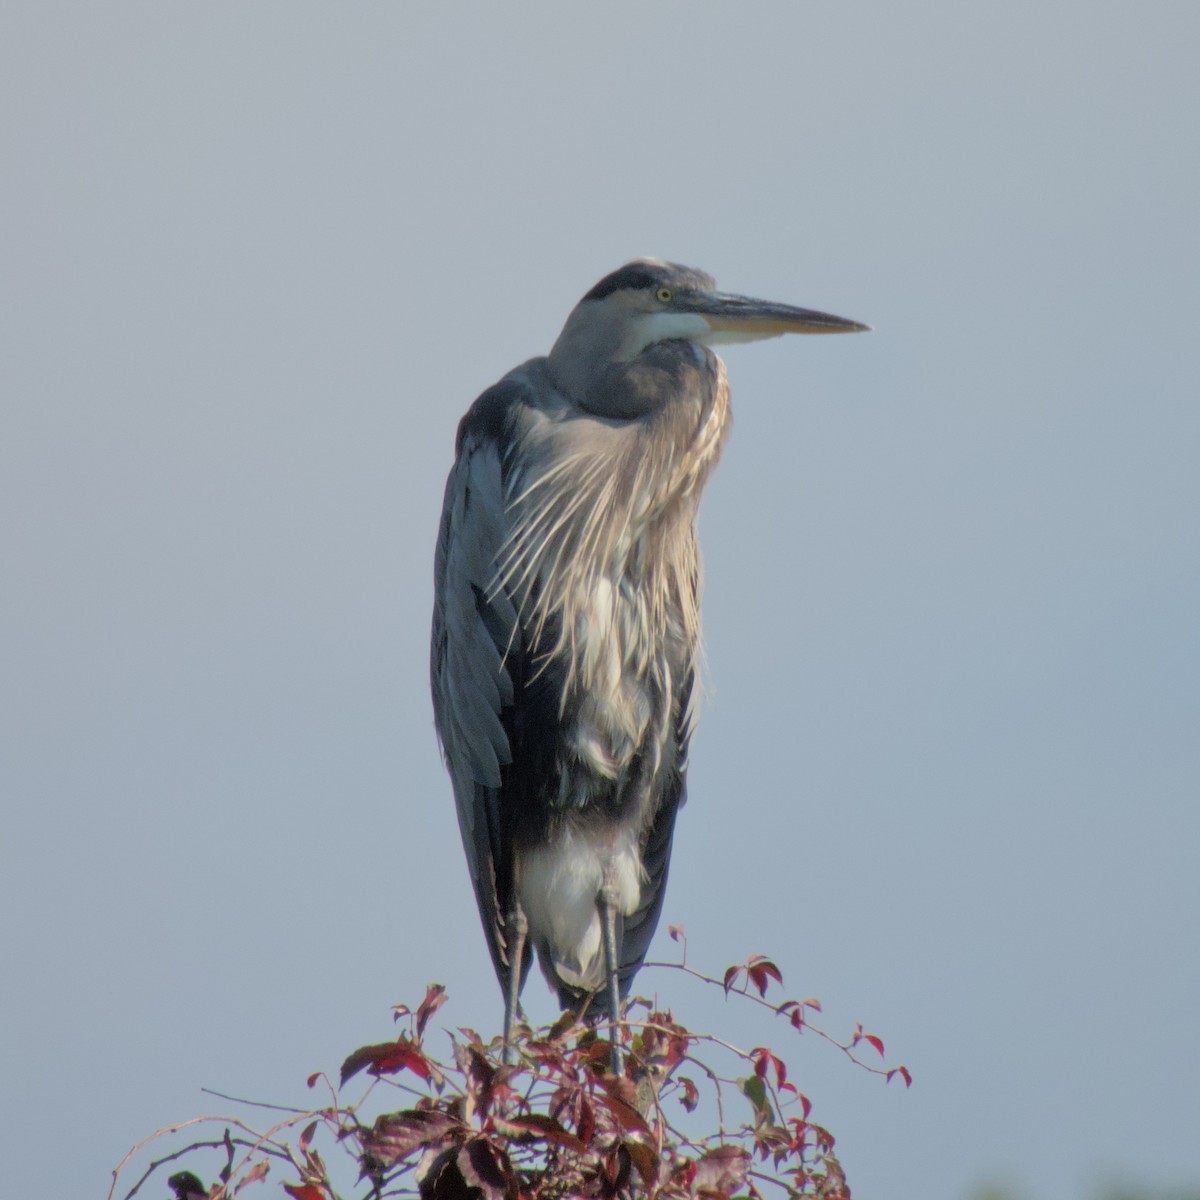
[(631, 276)]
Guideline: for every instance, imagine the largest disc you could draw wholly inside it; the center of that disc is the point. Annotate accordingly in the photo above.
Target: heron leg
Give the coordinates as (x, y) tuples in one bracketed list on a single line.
[(608, 922), (518, 928)]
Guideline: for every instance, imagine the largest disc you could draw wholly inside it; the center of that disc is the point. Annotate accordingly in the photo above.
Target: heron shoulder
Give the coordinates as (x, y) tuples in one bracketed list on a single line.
[(495, 413)]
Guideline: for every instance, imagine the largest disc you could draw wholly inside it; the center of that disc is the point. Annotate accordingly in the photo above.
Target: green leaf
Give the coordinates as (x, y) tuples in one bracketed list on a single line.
[(755, 1090)]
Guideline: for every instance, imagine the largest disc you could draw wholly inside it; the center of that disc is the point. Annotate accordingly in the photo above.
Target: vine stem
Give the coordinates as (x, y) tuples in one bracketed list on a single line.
[(260, 1139), (762, 1002)]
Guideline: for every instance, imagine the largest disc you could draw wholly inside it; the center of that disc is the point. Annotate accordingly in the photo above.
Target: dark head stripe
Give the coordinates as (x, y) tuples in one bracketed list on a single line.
[(647, 274), (634, 275)]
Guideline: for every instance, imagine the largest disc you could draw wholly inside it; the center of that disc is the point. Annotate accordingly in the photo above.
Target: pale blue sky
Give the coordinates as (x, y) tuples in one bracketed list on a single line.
[(257, 260)]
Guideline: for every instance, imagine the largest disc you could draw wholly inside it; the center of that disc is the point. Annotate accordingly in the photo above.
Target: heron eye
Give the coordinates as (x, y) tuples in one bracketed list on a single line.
[(664, 294)]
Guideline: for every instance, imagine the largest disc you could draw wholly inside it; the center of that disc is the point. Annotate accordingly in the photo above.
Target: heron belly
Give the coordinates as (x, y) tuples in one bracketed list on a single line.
[(559, 885)]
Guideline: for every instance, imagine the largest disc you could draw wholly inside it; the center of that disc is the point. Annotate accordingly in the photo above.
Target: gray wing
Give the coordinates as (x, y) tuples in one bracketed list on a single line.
[(471, 679)]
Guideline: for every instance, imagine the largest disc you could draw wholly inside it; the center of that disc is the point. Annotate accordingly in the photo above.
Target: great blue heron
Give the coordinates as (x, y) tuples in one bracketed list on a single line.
[(566, 620)]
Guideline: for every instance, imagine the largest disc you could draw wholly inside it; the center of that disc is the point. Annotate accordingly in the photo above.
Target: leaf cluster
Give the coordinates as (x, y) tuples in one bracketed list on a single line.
[(691, 1115)]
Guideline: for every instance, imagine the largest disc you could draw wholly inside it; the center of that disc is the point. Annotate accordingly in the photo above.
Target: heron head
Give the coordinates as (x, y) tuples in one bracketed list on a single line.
[(648, 301)]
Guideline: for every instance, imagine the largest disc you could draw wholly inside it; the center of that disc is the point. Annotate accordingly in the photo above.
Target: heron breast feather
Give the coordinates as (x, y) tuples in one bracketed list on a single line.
[(614, 708)]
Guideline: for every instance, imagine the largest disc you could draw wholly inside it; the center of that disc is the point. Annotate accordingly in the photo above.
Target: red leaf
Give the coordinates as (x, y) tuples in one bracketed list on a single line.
[(474, 1171), (903, 1073), (812, 1003), (761, 1056), (435, 997), (479, 1076), (764, 1060), (395, 1136), (719, 1172), (615, 1169), (256, 1172), (306, 1191), (312, 1079), (664, 1041), (386, 1058), (645, 1160), (794, 1011), (541, 1128), (598, 1053), (307, 1136), (761, 969), (437, 1175), (620, 1099), (731, 977), (586, 1125), (677, 933), (691, 1094), (876, 1042), (485, 1167)]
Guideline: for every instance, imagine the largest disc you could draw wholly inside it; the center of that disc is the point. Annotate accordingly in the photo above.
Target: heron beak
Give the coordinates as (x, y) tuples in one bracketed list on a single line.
[(741, 319)]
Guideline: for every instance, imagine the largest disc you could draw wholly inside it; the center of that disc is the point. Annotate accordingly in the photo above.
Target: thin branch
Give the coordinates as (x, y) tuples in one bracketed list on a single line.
[(170, 1129), (762, 1002), (189, 1149), (256, 1103)]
